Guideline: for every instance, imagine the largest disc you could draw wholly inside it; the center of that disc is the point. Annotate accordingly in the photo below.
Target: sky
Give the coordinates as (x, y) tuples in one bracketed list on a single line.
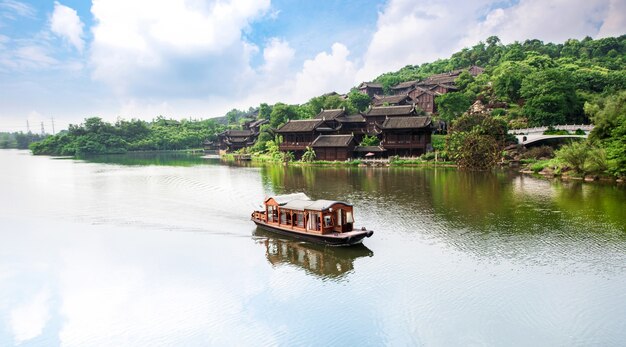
[(66, 60)]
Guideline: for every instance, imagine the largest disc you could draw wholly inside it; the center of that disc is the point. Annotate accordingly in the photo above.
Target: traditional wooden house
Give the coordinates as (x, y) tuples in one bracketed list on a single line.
[(232, 140), (370, 89), (391, 100), (406, 136), (298, 135), (424, 99), (443, 88), (375, 116), (255, 126), (334, 147), (449, 78), (403, 88), (352, 125)]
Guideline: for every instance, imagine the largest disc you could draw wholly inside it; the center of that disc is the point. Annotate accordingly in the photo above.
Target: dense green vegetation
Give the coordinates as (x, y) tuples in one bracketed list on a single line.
[(19, 140), (538, 83), (95, 136)]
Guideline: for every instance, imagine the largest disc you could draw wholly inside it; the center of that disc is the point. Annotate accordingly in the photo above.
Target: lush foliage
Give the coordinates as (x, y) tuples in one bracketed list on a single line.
[(19, 140), (609, 117), (95, 136), (370, 141), (542, 83), (475, 141)]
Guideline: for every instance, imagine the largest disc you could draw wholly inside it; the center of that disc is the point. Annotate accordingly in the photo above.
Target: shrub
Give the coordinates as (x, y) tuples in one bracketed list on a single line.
[(574, 155)]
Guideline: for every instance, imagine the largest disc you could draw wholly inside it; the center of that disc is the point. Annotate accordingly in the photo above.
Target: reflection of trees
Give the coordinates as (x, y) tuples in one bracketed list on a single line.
[(481, 212), (319, 260), (151, 158)]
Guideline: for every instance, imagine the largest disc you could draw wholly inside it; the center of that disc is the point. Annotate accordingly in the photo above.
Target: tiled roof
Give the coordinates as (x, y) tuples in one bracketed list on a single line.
[(355, 118), (258, 122), (403, 85), (232, 133), (332, 141), (391, 110), (373, 149), (393, 99), (370, 85), (406, 122), (330, 114), (294, 126)]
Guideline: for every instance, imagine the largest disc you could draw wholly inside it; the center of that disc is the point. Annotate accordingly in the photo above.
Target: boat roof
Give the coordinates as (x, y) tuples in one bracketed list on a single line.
[(285, 198), (311, 205)]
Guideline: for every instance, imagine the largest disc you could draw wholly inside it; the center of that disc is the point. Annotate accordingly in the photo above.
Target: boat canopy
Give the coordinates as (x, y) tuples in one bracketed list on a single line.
[(283, 199), (311, 205)]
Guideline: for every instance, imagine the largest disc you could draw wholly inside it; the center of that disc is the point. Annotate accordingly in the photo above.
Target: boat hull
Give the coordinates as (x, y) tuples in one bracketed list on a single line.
[(348, 239)]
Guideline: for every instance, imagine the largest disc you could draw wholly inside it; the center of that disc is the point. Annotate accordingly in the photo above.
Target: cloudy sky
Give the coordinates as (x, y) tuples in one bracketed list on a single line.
[(70, 59)]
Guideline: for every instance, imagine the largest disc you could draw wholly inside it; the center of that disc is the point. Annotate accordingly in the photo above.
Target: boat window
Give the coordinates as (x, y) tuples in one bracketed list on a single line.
[(328, 221), (299, 220), (349, 218)]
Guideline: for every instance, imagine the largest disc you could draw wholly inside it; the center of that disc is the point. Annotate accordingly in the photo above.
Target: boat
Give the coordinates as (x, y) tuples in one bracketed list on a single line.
[(321, 221)]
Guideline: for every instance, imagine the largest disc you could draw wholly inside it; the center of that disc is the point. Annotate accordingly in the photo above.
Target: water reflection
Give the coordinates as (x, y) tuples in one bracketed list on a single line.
[(152, 158), (319, 260)]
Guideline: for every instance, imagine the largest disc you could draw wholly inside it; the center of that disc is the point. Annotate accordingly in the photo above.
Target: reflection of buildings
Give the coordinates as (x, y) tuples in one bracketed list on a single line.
[(323, 261)]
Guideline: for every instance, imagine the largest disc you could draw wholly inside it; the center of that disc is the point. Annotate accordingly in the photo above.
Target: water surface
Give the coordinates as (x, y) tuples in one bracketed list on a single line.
[(158, 249)]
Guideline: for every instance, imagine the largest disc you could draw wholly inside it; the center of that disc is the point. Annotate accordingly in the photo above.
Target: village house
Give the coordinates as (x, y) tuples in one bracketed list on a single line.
[(424, 99), (375, 116), (334, 147), (403, 88), (370, 89), (406, 136), (297, 135), (391, 100)]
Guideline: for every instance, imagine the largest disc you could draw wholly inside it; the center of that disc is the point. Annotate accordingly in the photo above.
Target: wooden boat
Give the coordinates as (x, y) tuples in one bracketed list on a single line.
[(322, 221)]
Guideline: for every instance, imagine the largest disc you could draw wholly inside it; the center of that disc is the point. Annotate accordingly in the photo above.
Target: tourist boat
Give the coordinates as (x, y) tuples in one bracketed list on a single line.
[(323, 221)]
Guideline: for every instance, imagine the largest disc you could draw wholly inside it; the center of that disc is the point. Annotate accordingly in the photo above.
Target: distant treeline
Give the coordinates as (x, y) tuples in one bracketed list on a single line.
[(95, 136), (19, 140)]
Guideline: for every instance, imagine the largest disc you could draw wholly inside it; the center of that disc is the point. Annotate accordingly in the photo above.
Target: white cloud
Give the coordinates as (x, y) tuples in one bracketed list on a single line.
[(410, 32), (28, 321), (277, 55), (12, 9), (326, 73), (554, 21), (66, 24), (615, 21), (186, 46)]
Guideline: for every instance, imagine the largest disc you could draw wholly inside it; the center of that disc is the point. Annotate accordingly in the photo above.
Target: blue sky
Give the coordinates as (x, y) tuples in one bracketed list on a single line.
[(70, 59)]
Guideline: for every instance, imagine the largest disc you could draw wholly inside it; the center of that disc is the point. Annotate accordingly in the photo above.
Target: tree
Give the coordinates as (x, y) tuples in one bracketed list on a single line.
[(309, 155), (281, 113), (370, 141), (475, 141), (507, 79), (359, 102), (551, 98), (452, 105)]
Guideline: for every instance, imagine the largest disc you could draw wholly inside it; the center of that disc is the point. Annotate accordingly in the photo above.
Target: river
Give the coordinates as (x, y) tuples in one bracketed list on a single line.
[(159, 250)]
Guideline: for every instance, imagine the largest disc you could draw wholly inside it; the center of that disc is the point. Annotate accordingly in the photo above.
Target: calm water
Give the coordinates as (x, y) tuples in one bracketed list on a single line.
[(153, 250)]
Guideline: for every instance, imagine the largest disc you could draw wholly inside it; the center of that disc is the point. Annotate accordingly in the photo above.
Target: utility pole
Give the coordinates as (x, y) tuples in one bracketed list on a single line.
[(43, 131), (27, 126), (52, 118)]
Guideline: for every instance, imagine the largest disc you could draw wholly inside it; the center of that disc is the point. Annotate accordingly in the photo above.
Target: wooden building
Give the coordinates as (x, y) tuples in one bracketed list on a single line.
[(424, 99), (406, 136), (370, 89), (391, 100), (403, 88), (298, 135), (375, 116), (334, 147), (232, 140)]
